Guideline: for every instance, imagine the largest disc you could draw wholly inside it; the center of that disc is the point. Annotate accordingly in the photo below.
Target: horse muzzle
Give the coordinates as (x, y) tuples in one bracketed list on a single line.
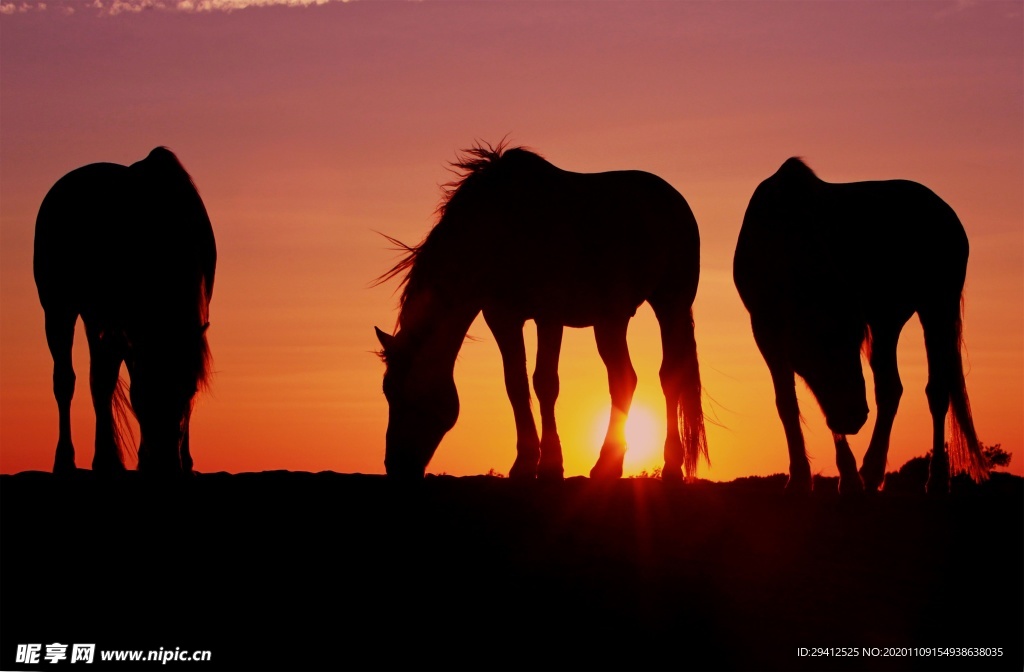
[(847, 423)]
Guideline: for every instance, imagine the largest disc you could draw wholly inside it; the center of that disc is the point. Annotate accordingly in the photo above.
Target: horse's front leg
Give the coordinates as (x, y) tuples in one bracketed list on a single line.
[(888, 390), (508, 332), (104, 367), (784, 381), (849, 478), (545, 384), (614, 351)]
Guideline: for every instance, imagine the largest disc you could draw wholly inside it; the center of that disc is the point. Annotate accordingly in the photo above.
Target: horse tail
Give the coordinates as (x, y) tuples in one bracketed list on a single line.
[(964, 448), (205, 359), (691, 413), (124, 437)]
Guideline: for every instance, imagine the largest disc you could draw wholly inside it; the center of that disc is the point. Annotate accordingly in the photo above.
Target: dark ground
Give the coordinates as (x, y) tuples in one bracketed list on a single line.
[(300, 571)]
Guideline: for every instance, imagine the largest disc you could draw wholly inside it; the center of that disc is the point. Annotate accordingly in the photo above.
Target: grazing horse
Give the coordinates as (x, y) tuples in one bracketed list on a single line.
[(130, 250), (520, 239), (825, 269)]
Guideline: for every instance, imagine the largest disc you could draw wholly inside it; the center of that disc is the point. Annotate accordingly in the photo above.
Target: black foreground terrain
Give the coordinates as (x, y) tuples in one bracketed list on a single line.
[(301, 571)]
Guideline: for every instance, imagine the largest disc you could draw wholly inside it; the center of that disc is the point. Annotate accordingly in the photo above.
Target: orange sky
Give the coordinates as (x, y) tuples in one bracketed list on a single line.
[(307, 128)]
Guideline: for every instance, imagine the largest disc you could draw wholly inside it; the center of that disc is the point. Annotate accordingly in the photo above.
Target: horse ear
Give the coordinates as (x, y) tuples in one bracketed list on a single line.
[(386, 340)]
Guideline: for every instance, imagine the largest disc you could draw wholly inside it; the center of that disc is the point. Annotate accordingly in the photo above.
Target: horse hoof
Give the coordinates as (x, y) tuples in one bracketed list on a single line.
[(672, 474), (165, 469), (872, 479), (938, 476), (108, 467), (799, 487), (63, 467), (605, 471), (550, 473), (851, 485), (871, 485), (521, 473)]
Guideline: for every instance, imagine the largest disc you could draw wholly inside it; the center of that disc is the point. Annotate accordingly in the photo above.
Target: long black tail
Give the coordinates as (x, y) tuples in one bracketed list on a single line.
[(964, 448), (691, 413), (124, 437)]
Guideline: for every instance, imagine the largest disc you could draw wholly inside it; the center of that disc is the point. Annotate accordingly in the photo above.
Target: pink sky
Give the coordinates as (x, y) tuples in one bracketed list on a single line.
[(309, 127)]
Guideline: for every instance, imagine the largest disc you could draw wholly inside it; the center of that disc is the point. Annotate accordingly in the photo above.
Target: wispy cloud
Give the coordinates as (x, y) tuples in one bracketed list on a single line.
[(955, 7), (112, 7)]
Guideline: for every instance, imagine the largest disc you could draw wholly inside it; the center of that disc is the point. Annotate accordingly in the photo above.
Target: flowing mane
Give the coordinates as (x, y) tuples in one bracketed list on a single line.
[(473, 168)]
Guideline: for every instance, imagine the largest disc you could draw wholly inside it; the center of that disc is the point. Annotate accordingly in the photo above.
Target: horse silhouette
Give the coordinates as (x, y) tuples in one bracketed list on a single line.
[(825, 269), (130, 250), (520, 239)]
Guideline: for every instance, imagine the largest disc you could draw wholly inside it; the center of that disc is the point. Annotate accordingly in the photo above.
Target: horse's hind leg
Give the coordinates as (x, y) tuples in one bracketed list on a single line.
[(60, 336), (671, 375), (545, 384), (104, 367), (614, 351), (680, 381), (945, 387), (888, 390), (508, 332), (937, 391)]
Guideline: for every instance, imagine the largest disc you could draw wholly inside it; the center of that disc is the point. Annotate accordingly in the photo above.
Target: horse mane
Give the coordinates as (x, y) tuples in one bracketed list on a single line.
[(473, 168), (163, 178), (205, 358), (474, 165)]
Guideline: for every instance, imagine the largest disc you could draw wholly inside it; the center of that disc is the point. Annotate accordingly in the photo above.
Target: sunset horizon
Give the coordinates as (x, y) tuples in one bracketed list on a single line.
[(310, 127), (447, 334)]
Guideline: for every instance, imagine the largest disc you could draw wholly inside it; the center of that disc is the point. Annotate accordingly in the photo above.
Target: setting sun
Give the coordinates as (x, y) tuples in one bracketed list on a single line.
[(645, 434)]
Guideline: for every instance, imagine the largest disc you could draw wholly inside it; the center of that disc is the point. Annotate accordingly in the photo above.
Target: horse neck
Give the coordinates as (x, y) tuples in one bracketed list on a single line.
[(437, 324)]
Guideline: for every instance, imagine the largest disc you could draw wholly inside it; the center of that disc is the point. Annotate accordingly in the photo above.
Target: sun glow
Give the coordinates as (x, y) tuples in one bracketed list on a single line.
[(645, 434)]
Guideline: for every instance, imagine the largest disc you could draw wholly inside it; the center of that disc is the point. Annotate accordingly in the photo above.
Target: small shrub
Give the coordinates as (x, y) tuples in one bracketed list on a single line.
[(913, 475)]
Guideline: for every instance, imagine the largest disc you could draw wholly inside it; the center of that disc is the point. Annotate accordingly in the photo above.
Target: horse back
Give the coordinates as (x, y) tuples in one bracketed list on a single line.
[(110, 236), (594, 243), (906, 243), (81, 233), (887, 245)]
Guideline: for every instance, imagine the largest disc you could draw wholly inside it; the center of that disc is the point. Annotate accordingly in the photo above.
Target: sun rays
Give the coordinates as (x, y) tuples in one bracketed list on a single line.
[(645, 434)]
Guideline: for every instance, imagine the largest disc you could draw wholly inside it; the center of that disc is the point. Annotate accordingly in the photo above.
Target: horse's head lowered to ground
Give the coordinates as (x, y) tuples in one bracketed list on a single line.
[(423, 405), (130, 250), (827, 270), (520, 239)]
